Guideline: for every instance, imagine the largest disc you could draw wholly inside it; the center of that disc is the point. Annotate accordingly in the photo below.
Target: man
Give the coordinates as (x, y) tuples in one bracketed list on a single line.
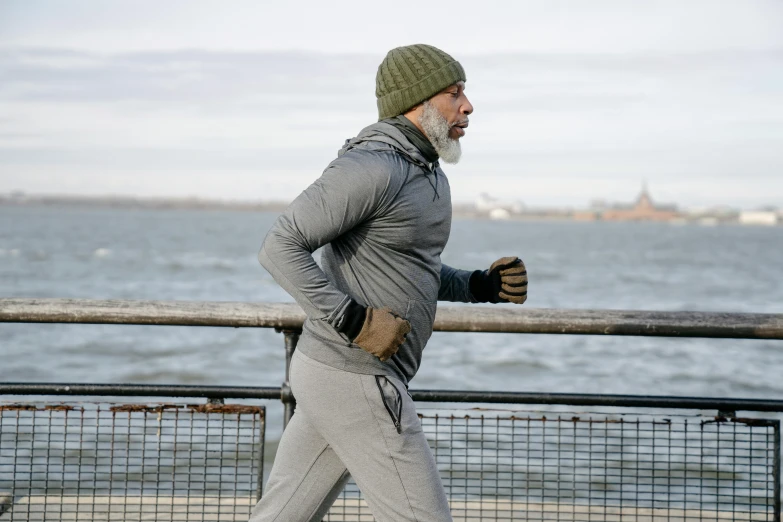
[(382, 213)]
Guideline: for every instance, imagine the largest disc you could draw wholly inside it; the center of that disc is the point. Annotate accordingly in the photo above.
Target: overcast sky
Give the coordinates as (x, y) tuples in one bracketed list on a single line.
[(250, 100)]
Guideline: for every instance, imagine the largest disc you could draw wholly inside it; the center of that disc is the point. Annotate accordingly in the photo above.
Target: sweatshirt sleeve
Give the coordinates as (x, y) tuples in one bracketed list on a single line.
[(345, 195), (455, 285)]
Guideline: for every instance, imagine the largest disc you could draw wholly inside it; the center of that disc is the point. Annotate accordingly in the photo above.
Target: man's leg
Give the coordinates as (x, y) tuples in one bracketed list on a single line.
[(396, 472), (306, 477)]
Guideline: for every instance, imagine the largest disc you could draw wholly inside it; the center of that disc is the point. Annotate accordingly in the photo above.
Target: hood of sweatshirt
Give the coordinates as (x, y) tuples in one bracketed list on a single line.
[(382, 136)]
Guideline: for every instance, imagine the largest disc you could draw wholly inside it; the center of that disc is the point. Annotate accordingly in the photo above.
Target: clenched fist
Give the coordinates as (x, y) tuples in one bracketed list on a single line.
[(504, 282), (382, 333)]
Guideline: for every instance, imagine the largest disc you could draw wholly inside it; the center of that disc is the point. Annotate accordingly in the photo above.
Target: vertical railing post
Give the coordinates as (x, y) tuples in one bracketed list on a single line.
[(289, 403), (261, 447), (776, 471)]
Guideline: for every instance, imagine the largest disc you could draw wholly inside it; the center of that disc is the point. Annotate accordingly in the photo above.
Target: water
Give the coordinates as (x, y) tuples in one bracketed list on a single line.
[(201, 255)]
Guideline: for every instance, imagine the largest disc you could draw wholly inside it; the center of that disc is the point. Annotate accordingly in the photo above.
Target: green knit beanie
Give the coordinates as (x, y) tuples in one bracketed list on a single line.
[(411, 74)]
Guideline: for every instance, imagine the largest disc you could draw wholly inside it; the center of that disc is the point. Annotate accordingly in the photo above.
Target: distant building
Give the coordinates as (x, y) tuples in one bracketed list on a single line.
[(758, 217), (499, 213), (644, 209), (585, 215), (487, 204)]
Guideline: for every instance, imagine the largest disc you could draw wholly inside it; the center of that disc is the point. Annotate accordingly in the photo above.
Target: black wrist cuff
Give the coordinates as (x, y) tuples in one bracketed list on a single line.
[(353, 320), (480, 286)]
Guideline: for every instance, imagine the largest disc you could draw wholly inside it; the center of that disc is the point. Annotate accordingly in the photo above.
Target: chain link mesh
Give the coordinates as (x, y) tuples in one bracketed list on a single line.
[(129, 462), (98, 461), (577, 467)]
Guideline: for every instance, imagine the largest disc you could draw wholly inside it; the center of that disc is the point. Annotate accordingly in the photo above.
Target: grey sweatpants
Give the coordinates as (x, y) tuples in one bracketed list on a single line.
[(349, 424)]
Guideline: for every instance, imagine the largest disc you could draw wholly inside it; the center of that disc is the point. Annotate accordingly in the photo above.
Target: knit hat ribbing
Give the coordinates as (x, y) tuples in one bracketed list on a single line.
[(411, 74)]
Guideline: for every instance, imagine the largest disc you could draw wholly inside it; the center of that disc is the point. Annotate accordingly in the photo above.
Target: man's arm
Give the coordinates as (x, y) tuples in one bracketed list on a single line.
[(455, 285), (345, 195), (504, 282)]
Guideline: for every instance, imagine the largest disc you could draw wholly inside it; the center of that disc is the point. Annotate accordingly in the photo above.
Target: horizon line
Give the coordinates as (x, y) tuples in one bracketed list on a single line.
[(20, 196)]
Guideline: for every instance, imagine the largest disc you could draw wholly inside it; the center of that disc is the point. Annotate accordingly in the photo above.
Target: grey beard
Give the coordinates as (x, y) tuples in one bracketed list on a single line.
[(437, 128)]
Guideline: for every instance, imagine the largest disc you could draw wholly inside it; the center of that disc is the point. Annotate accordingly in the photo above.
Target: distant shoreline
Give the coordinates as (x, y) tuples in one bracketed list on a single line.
[(460, 210), (123, 202), (129, 202)]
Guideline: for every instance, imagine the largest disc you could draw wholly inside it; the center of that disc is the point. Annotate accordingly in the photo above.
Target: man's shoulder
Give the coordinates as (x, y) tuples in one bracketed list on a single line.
[(366, 157)]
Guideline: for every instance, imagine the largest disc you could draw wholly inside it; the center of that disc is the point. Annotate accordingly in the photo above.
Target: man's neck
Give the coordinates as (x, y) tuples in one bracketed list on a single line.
[(415, 123)]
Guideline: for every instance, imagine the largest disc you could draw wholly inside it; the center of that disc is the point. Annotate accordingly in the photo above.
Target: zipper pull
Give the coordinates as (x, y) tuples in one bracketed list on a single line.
[(399, 428)]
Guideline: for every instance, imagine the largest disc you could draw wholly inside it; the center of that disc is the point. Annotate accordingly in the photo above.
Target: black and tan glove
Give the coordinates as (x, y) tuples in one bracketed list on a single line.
[(504, 282), (376, 330)]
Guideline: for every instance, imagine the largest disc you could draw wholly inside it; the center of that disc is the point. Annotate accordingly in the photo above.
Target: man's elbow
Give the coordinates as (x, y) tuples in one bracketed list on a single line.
[(268, 250), (262, 257), (278, 249)]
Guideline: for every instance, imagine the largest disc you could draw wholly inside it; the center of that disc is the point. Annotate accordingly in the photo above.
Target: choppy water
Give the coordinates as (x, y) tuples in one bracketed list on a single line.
[(199, 255)]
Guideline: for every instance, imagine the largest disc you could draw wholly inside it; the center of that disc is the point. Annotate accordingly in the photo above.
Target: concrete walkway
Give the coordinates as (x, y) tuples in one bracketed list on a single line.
[(208, 509), (121, 509)]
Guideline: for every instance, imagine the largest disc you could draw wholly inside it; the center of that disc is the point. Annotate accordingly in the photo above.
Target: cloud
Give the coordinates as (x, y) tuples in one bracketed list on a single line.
[(183, 77), (464, 27), (711, 117)]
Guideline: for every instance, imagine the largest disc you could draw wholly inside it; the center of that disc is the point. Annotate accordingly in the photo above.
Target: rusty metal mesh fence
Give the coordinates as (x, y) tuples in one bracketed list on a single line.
[(97, 461), (131, 462), (577, 467)]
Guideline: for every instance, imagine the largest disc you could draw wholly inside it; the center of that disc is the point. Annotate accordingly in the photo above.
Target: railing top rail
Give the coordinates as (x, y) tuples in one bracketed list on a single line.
[(437, 396), (497, 319)]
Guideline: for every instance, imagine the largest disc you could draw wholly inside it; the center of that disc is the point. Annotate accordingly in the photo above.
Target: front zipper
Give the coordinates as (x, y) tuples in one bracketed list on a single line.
[(395, 419)]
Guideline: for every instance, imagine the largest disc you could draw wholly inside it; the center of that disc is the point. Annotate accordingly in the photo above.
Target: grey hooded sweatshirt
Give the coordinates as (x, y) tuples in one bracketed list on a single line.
[(382, 214)]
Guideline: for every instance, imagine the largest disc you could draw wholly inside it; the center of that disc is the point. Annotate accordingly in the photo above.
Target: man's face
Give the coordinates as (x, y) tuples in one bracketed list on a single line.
[(455, 107), (443, 119)]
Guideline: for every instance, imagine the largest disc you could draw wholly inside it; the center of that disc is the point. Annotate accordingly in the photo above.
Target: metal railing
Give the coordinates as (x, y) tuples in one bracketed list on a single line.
[(284, 316), (517, 463)]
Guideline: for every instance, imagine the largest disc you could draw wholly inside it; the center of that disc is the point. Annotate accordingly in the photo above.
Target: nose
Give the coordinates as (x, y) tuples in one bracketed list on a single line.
[(467, 107)]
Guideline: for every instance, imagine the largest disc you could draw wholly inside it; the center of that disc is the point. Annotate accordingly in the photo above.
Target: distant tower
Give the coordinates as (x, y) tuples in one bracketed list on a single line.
[(644, 201)]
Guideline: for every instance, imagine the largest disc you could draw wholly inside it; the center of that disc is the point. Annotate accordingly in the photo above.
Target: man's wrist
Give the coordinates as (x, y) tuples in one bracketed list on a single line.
[(353, 321), (480, 286)]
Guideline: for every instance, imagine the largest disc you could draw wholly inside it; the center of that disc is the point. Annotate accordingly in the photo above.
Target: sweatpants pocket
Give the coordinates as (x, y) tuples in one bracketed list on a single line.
[(392, 400)]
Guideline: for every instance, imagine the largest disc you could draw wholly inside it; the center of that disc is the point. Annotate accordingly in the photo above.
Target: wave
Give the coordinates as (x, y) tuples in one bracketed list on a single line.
[(189, 261)]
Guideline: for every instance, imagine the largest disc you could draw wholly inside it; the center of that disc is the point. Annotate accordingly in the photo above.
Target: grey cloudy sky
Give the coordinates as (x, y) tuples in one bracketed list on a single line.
[(250, 100)]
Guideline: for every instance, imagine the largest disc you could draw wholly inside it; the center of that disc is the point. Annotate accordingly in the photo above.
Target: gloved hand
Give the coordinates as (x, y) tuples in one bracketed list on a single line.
[(376, 330), (504, 282), (382, 333)]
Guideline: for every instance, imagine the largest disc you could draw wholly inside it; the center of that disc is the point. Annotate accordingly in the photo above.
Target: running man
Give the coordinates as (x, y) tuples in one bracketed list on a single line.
[(382, 213)]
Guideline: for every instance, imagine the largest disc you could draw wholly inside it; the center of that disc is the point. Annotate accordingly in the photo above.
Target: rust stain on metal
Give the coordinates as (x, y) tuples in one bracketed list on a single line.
[(142, 408), (754, 422), (239, 409), (194, 408), (62, 407), (18, 407), (35, 407)]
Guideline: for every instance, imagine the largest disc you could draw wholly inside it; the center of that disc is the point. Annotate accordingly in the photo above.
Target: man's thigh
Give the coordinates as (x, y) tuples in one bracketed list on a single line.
[(372, 425), (306, 478)]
